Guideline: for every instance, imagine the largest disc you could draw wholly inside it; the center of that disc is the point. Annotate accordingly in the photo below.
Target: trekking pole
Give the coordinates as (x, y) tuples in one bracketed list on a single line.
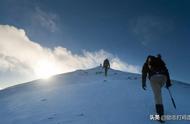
[(172, 98)]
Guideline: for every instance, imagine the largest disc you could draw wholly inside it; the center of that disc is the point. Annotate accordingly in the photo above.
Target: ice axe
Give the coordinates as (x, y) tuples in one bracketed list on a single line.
[(171, 98)]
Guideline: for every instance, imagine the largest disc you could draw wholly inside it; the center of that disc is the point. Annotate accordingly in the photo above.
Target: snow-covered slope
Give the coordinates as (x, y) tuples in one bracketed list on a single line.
[(87, 97)]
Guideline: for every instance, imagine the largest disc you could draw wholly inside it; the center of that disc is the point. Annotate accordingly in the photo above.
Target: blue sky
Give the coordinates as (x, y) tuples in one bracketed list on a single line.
[(127, 29)]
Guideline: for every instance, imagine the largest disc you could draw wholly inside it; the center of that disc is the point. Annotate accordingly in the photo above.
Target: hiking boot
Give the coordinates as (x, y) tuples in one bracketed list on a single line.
[(160, 112)]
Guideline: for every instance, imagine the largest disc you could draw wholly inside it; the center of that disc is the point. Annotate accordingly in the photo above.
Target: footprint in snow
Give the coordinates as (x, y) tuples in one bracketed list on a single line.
[(43, 100), (129, 78), (105, 80), (80, 115), (52, 117)]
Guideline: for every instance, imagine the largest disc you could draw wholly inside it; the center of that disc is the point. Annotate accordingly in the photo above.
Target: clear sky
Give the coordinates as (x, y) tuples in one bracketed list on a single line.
[(124, 30)]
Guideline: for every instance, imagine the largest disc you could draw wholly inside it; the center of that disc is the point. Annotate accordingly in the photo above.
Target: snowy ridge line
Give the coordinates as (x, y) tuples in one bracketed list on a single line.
[(83, 70), (63, 74)]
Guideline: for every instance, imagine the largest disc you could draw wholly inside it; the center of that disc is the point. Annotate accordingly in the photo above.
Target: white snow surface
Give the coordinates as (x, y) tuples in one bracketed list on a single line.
[(88, 97)]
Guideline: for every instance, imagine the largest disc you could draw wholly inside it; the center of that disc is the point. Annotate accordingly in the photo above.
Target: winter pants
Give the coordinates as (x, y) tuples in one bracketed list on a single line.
[(106, 71), (157, 81)]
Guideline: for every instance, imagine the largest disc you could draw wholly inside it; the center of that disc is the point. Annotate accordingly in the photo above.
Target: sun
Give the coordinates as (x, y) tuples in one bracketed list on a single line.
[(45, 69)]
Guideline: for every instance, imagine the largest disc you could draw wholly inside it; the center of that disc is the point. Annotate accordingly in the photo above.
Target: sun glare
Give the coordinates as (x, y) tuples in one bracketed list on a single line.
[(45, 69)]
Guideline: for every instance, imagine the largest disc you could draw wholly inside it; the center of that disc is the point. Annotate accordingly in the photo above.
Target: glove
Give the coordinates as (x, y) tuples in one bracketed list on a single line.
[(168, 84)]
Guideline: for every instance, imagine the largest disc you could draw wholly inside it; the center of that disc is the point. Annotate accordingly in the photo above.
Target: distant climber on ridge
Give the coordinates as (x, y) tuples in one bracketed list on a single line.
[(106, 66)]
